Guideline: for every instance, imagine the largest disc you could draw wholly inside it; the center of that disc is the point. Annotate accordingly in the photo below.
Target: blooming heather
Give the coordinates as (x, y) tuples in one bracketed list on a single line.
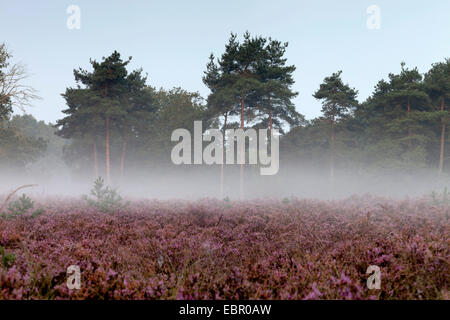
[(210, 249)]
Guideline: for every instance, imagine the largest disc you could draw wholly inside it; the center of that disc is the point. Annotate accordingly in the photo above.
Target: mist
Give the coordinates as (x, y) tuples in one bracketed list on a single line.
[(192, 182)]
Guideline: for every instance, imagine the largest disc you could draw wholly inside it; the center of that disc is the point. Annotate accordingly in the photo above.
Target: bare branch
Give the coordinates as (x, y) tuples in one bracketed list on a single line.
[(12, 193), (12, 89)]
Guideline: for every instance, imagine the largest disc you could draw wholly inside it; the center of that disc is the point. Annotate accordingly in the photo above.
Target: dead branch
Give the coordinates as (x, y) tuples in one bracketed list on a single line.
[(218, 222), (12, 89)]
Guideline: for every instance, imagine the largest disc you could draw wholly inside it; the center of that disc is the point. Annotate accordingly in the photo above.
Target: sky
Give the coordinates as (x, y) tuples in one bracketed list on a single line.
[(172, 40)]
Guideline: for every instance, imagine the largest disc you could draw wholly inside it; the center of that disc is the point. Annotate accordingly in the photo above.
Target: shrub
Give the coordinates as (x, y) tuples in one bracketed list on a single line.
[(7, 258), (104, 198), (21, 206)]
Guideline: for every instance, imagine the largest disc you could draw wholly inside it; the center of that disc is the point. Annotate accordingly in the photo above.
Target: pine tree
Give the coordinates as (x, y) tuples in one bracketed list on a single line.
[(221, 103), (83, 119), (5, 101), (137, 103), (406, 91), (251, 79), (337, 100), (437, 83), (107, 80), (275, 94)]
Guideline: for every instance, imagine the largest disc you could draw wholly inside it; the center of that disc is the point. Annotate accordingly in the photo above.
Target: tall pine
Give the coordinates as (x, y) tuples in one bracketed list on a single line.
[(107, 80), (337, 100), (437, 82)]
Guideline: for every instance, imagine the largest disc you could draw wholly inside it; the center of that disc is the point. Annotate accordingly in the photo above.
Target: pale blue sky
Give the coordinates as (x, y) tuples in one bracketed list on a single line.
[(172, 40)]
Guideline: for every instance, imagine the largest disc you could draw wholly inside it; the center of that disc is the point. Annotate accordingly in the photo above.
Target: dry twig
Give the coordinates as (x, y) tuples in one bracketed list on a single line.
[(12, 193)]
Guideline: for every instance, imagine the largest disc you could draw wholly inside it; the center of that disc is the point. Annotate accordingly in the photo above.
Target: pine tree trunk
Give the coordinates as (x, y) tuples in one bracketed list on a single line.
[(409, 129), (108, 169), (441, 156), (242, 112), (332, 150), (223, 156), (270, 117), (241, 184), (122, 157), (270, 122), (95, 161)]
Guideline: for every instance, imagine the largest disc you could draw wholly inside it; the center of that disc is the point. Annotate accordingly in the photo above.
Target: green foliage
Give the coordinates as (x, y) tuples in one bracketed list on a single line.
[(337, 98), (8, 259), (5, 101), (437, 82), (104, 198), (17, 150), (177, 108), (21, 206), (253, 72), (50, 161), (108, 99), (397, 129), (36, 213), (228, 202)]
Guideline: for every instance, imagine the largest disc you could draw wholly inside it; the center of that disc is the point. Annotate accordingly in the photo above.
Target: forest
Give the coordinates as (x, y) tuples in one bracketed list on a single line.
[(116, 122)]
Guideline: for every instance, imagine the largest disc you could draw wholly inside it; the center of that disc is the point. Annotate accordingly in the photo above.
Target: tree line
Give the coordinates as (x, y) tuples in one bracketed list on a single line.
[(113, 113), (400, 127)]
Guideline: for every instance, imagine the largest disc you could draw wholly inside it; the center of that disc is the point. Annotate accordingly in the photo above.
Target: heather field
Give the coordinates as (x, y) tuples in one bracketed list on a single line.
[(211, 249)]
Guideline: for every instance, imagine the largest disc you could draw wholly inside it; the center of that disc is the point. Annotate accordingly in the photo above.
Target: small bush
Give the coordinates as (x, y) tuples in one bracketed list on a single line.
[(37, 213), (104, 198), (8, 259), (20, 206), (228, 203)]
